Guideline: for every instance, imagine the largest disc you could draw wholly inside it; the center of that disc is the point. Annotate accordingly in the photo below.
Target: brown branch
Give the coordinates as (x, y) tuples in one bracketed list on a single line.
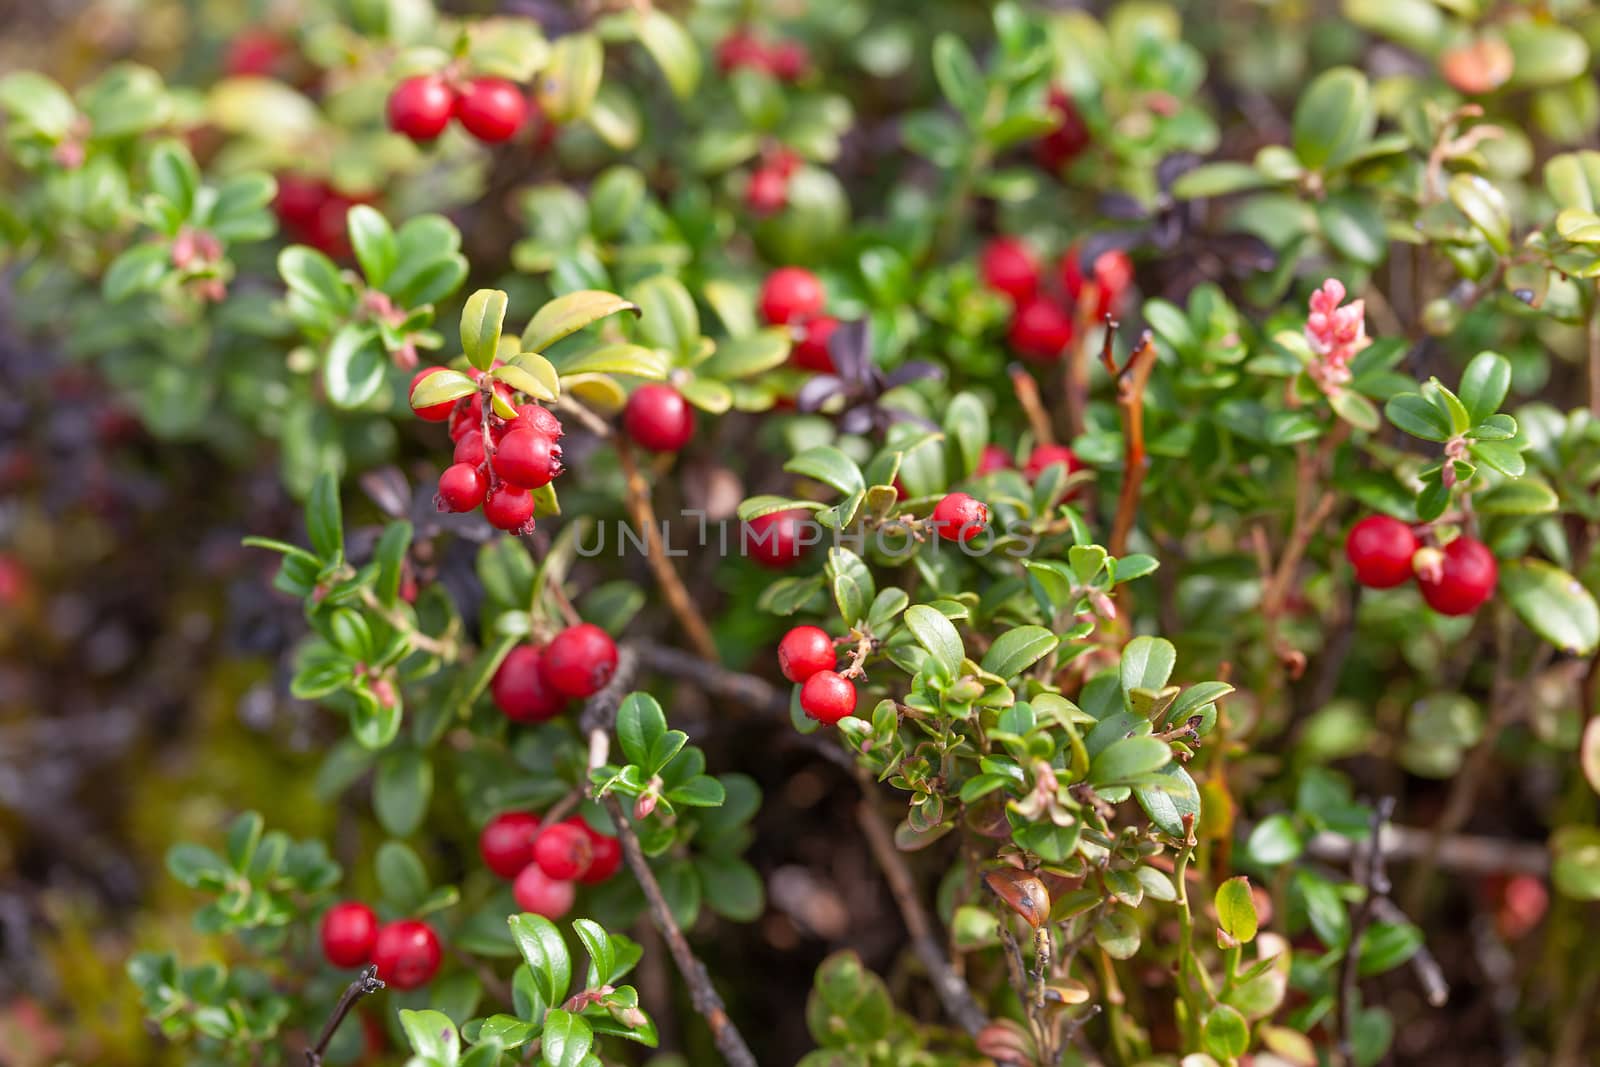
[(1131, 383), (367, 982), (1376, 879), (1461, 853), (1027, 391), (672, 587)]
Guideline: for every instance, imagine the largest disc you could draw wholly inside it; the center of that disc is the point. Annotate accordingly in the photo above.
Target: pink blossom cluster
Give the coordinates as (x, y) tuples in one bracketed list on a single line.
[(1336, 334)]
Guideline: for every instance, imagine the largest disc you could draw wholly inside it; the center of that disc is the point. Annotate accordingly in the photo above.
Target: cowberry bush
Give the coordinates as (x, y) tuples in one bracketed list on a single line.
[(1104, 491)]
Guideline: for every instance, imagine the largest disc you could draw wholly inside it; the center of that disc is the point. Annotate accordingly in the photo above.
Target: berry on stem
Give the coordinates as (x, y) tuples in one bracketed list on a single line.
[(348, 932), (827, 697), (462, 487), (606, 858), (1040, 330), (1111, 274), (994, 458), (804, 651), (959, 517), (407, 954), (563, 852), (469, 448), (506, 842), (509, 508), (431, 412), (767, 191), (527, 459), (791, 295), (420, 107), (1465, 576), (492, 109), (774, 540), (658, 418), (537, 892), (1045, 456), (520, 691), (1008, 266), (811, 348), (1380, 549), (539, 419), (1070, 137), (579, 661)]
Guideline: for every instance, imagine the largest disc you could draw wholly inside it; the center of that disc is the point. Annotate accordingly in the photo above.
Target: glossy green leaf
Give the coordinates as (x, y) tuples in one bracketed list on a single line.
[(1553, 603)]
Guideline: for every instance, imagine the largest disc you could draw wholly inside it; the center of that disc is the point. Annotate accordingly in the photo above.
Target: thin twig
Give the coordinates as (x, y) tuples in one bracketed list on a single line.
[(367, 982), (1131, 381), (1027, 391), (1376, 878), (1474, 854)]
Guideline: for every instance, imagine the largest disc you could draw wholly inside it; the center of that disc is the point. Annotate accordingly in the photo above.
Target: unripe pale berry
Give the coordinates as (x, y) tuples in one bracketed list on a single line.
[(1008, 266), (492, 109), (462, 487), (563, 852), (773, 540), (506, 842), (827, 697), (348, 933), (537, 892), (658, 418), (527, 459), (407, 954), (509, 508), (1040, 330), (959, 517), (1465, 578), (1380, 548), (791, 295), (432, 412), (579, 661), (811, 348), (520, 691), (804, 651), (420, 107)]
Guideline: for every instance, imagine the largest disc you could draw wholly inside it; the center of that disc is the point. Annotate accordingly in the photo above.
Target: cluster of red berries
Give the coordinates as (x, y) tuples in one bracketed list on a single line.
[(806, 657), (1454, 580), (491, 109), (658, 418), (1042, 320), (794, 297), (497, 461), (533, 684), (995, 458), (785, 60), (768, 188), (546, 863), (313, 213), (406, 951)]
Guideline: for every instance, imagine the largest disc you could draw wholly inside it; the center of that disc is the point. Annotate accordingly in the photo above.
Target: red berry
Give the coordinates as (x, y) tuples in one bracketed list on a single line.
[(462, 487), (527, 459), (254, 52), (1111, 274), (298, 199), (804, 651), (741, 49), (658, 418), (432, 412), (579, 661), (539, 419), (509, 508), (959, 517), (506, 842), (994, 458), (811, 349), (1465, 578), (329, 232), (1045, 456), (1380, 549), (407, 954), (492, 109), (767, 191), (788, 60), (1070, 137), (563, 852), (1008, 266), (791, 294), (420, 107), (537, 892), (469, 448), (348, 932), (774, 540), (1040, 330), (606, 857), (827, 697), (520, 691)]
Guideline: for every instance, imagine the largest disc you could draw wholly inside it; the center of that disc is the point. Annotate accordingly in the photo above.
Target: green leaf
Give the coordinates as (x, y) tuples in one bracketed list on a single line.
[(432, 1035), (1225, 1033), (1129, 758), (1385, 946), (324, 519), (566, 315), (401, 790), (1485, 207), (195, 865), (1333, 119), (674, 51), (935, 633), (1147, 663), (966, 427), (1504, 456), (566, 1039), (1484, 385), (541, 945), (1553, 603), (602, 956), (959, 77), (829, 465), (1236, 910), (40, 103), (1543, 53), (640, 725), (531, 373), (1118, 933), (732, 887), (174, 176), (1167, 802), (1274, 841), (138, 270), (312, 276), (572, 77), (852, 584), (1016, 650), (374, 243), (667, 315), (1354, 226), (401, 875), (1414, 414), (1575, 862), (440, 386), (1219, 179), (355, 367), (747, 356), (481, 321), (701, 791)]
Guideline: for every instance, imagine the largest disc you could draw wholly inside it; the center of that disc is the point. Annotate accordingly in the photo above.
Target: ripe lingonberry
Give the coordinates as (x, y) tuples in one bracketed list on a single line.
[(537, 892), (804, 651), (741, 48), (791, 295), (254, 52), (606, 857), (1045, 456), (527, 459), (520, 691), (579, 661), (959, 517), (539, 419), (1008, 266), (811, 348), (1070, 137), (1040, 330), (461, 487), (492, 109), (774, 540), (509, 508), (348, 932), (788, 60), (420, 107), (1464, 578), (827, 697), (767, 191), (994, 458), (469, 448), (506, 843), (430, 412), (298, 200), (466, 418), (1111, 275), (563, 852), (1380, 549), (407, 954), (658, 418)]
